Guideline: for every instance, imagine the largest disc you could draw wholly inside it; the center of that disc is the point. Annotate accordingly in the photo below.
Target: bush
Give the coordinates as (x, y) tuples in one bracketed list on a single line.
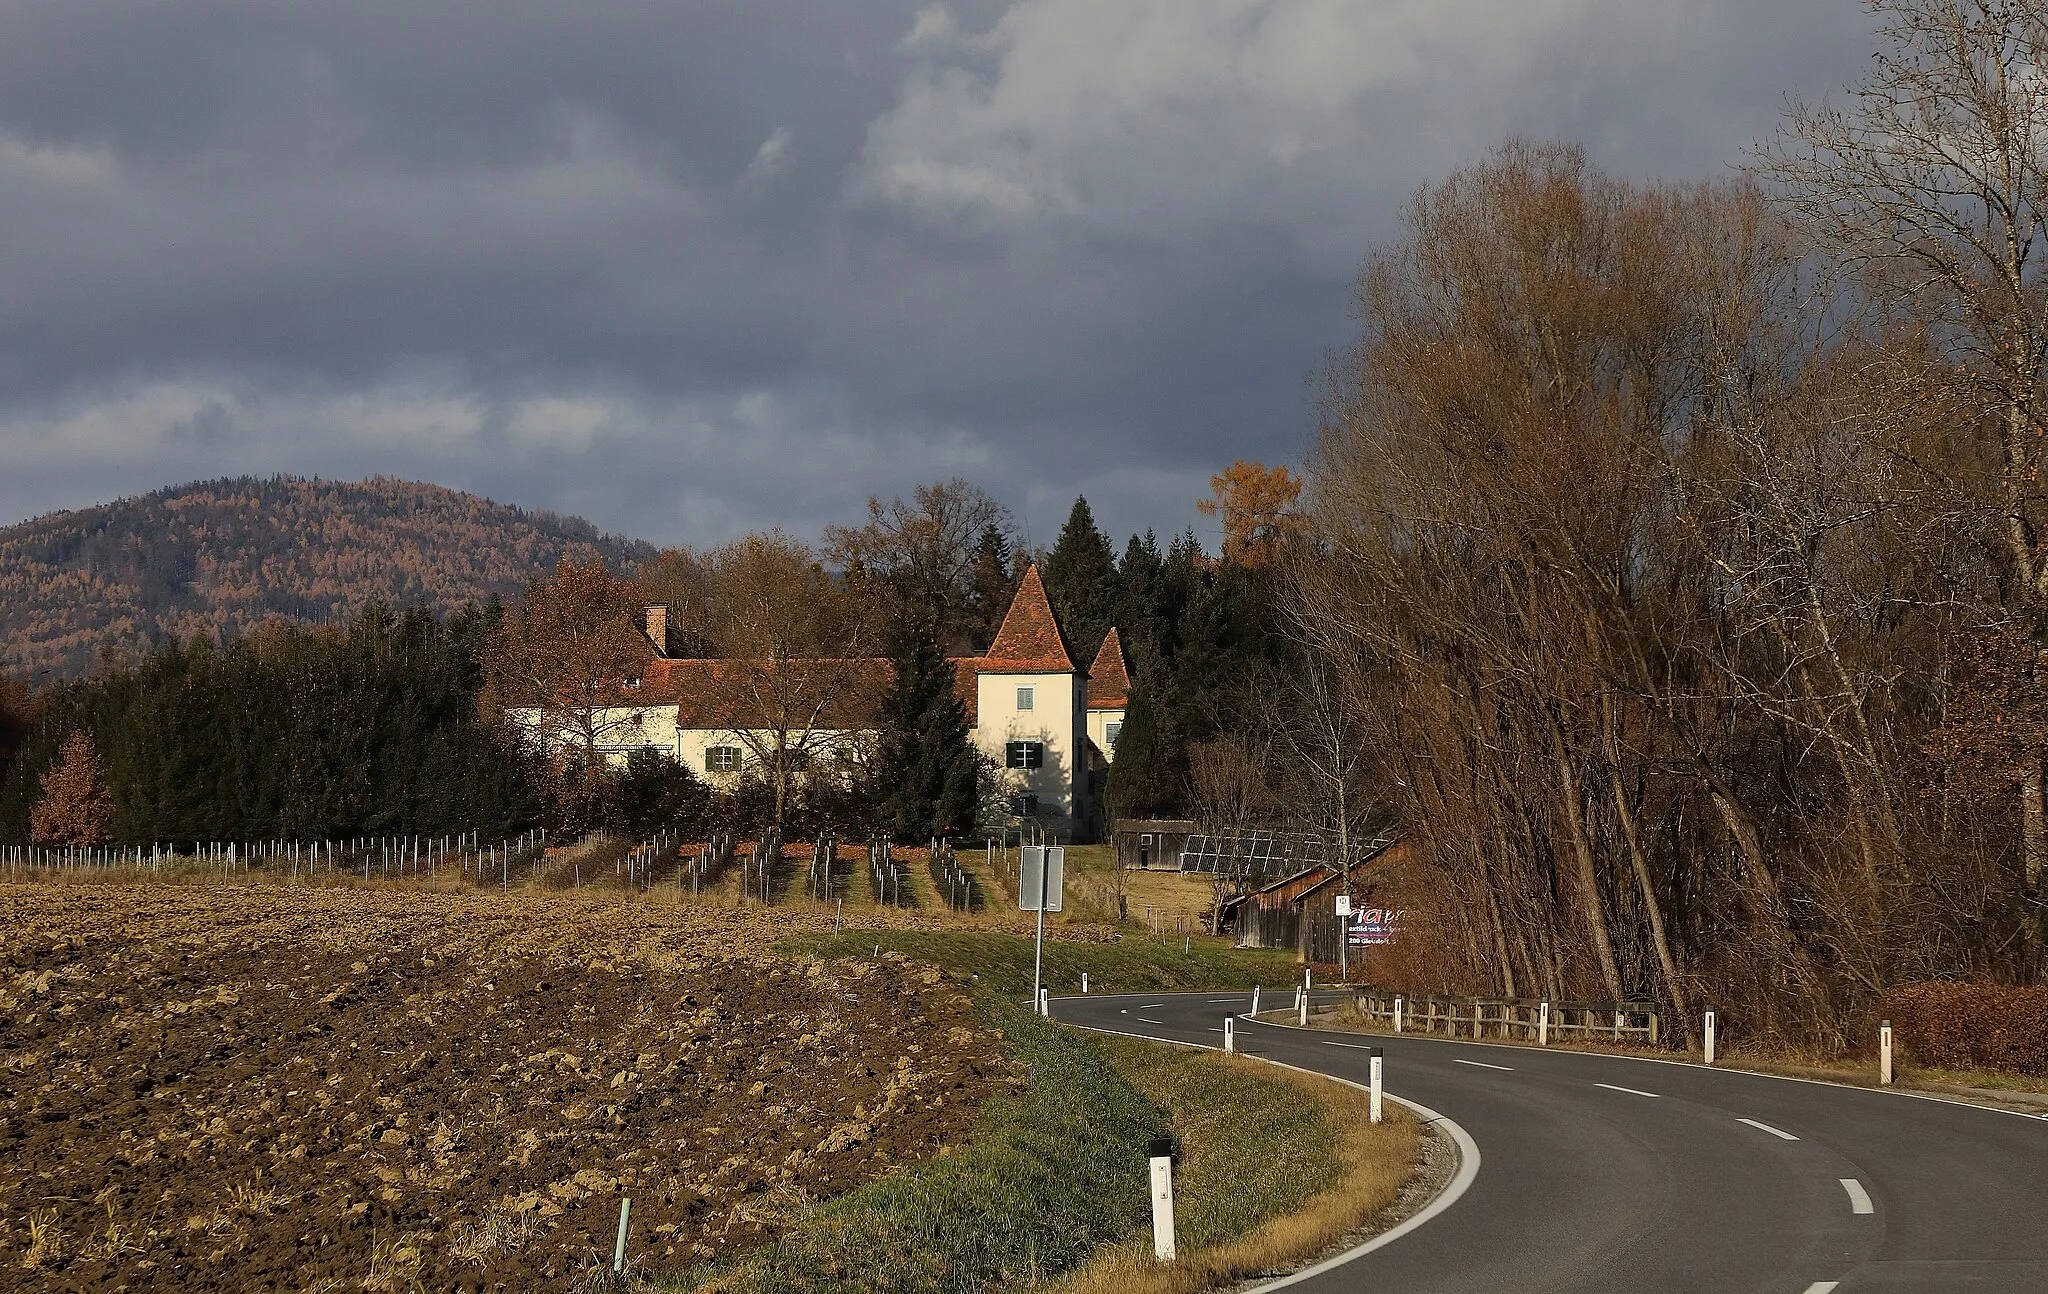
[(1972, 1026)]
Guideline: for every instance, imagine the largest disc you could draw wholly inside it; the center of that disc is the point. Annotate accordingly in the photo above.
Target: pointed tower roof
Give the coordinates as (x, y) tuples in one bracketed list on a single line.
[(1109, 682), (1029, 641)]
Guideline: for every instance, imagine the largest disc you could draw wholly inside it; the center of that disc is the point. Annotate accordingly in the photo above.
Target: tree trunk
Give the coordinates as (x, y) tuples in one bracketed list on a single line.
[(1588, 874), (2033, 823)]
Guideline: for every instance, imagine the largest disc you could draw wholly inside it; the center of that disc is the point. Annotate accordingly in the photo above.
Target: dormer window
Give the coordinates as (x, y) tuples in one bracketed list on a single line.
[(1027, 698), (632, 684)]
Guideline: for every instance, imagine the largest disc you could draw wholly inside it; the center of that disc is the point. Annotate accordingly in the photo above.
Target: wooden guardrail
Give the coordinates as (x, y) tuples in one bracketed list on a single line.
[(1512, 1018)]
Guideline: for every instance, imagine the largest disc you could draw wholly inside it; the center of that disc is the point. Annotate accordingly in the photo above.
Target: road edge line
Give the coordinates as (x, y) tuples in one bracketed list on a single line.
[(1449, 1194), (1938, 1098)]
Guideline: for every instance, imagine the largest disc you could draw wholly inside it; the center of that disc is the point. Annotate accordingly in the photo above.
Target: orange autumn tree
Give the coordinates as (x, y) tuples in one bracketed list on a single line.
[(75, 808), (1256, 504), (565, 656)]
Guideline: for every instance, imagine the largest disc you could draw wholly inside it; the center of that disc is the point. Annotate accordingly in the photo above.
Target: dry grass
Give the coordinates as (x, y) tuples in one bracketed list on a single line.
[(1370, 1166)]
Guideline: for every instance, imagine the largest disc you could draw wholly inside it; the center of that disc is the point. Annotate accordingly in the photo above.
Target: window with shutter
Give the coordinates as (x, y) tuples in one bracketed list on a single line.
[(721, 759), (1027, 698), (1025, 754)]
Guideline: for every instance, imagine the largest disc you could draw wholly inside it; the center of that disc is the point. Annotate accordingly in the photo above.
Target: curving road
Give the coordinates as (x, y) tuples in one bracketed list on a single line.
[(1603, 1173)]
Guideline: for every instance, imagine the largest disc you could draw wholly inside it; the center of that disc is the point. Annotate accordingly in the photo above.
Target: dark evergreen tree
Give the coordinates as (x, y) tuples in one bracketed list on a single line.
[(924, 776), (1140, 614), (363, 729), (1148, 777), (995, 582), (1081, 581)]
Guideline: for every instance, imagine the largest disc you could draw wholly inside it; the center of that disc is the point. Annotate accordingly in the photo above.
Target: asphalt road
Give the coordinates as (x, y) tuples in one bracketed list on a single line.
[(1604, 1173)]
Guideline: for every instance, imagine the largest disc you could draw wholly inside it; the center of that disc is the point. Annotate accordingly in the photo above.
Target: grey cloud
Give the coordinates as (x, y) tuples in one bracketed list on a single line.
[(692, 268)]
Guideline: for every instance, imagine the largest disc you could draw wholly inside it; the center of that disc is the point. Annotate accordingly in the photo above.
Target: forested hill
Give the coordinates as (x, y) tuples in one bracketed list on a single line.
[(227, 555)]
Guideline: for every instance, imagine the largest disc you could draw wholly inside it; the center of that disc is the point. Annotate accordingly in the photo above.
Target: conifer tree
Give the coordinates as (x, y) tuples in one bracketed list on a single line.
[(925, 771), (1148, 777), (75, 808), (1139, 613), (1081, 580), (995, 583)]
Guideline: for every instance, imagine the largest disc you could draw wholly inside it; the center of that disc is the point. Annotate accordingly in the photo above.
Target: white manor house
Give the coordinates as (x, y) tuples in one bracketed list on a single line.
[(1049, 726)]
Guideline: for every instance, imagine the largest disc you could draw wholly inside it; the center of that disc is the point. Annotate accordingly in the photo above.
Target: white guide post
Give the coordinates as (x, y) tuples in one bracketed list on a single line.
[(1710, 1036), (1162, 1199), (1397, 1013), (1303, 1012), (1084, 981), (1543, 1024), (1308, 978), (619, 1251), (1229, 1033), (1379, 1064), (1884, 1053), (1255, 999), (1045, 1002)]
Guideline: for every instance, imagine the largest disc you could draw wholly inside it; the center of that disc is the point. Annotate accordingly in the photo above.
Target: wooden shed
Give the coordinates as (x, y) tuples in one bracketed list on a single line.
[(1151, 843)]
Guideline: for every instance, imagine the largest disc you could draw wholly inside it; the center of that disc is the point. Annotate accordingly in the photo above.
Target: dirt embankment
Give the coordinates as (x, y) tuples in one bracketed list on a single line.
[(308, 1090)]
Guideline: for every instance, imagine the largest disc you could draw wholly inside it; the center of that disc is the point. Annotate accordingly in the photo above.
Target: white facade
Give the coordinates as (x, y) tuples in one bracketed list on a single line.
[(1051, 724)]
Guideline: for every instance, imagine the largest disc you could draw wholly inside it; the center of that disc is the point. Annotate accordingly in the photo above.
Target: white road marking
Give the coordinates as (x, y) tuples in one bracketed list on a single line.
[(1141, 1019), (1150, 1006), (1482, 1064), (1822, 1287), (1630, 1090), (1361, 1046), (1776, 1132), (1859, 1199)]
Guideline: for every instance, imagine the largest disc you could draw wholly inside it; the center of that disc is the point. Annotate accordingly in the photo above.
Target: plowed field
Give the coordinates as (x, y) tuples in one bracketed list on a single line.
[(276, 1089)]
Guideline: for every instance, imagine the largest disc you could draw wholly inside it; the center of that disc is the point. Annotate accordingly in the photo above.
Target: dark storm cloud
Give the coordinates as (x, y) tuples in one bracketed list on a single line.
[(691, 268)]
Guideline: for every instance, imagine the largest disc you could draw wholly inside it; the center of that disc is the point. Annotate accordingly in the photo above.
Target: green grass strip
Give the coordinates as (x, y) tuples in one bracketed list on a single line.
[(1253, 1148), (1056, 1172), (1001, 963)]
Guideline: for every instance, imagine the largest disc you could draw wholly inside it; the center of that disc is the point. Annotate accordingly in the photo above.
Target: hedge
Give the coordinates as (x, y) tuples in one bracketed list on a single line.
[(1972, 1026)]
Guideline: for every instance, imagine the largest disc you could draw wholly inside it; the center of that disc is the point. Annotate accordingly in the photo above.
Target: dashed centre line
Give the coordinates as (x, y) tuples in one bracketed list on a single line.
[(1632, 1091), (1480, 1064), (1356, 1046), (1143, 1020), (1859, 1199), (1780, 1133), (1822, 1287)]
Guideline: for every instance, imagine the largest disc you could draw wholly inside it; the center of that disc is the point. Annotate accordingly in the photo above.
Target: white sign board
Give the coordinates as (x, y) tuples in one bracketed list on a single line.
[(1040, 871), (1343, 905)]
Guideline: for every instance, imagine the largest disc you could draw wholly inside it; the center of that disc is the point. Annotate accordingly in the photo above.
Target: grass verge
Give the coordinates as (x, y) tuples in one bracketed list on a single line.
[(1001, 963), (1058, 1171), (1276, 1167)]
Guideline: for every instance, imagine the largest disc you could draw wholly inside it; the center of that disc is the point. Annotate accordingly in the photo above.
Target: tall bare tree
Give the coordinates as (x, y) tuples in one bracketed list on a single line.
[(1932, 183), (919, 554), (568, 656), (795, 683)]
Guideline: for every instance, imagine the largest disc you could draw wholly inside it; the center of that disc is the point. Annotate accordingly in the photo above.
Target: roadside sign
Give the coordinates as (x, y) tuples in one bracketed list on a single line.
[(1370, 927), (1343, 905), (1041, 873)]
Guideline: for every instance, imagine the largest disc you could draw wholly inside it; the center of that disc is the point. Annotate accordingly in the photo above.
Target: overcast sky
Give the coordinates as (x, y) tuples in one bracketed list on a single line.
[(690, 267)]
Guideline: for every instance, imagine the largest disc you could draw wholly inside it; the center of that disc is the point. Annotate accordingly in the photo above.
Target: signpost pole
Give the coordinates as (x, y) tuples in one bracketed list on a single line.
[(1344, 938), (1038, 957)]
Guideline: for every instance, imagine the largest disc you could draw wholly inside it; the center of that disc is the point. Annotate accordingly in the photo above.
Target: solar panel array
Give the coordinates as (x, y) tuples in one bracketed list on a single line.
[(1269, 853)]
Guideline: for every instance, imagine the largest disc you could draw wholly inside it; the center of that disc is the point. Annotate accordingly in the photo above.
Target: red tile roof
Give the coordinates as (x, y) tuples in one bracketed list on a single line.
[(843, 694), (1109, 683), (1029, 641)]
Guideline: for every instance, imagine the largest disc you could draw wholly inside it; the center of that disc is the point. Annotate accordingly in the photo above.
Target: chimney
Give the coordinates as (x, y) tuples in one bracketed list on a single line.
[(657, 627)]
